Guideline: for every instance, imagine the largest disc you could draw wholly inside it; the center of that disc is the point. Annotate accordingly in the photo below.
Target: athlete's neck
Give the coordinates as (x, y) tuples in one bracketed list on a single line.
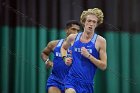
[(87, 35)]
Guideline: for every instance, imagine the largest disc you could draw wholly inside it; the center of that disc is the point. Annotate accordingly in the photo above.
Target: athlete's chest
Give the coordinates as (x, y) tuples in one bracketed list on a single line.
[(89, 46)]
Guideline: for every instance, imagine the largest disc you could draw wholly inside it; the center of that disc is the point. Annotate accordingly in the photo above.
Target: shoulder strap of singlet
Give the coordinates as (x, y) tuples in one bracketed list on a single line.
[(93, 40), (60, 42), (78, 36)]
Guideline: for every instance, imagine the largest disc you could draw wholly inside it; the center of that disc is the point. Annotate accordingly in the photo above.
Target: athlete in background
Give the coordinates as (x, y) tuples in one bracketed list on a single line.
[(55, 82)]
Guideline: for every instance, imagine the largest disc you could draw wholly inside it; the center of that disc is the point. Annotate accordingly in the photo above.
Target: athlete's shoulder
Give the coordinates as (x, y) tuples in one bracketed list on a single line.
[(101, 41), (72, 37), (52, 44)]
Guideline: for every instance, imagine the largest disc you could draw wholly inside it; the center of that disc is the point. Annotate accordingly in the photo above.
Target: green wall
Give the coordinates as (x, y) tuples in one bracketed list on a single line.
[(23, 71)]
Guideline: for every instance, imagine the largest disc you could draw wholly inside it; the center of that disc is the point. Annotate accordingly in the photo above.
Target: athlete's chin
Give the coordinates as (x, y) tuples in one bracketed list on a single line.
[(89, 31)]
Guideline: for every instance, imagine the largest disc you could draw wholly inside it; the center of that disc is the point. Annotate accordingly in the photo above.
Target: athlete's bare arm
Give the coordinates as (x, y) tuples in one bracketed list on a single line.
[(46, 52), (69, 41), (101, 47)]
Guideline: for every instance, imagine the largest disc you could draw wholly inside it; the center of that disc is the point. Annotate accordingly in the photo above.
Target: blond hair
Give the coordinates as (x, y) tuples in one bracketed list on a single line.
[(95, 11)]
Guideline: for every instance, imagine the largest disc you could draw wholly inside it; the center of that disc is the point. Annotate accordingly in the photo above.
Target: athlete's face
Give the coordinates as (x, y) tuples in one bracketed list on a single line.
[(73, 29), (90, 23)]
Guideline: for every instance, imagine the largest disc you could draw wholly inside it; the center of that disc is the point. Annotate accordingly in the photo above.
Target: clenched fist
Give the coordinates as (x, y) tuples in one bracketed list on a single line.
[(84, 52), (68, 61)]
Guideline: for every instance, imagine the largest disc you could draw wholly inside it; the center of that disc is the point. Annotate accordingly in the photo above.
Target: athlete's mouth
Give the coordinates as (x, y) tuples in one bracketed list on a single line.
[(90, 28)]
